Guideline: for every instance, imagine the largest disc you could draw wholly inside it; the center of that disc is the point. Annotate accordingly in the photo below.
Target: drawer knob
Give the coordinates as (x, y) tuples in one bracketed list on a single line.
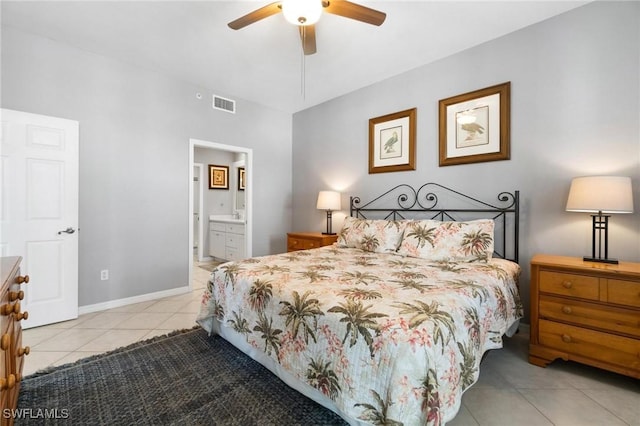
[(566, 309), (24, 351), (16, 295), (5, 341), (22, 279), (8, 383), (6, 309), (566, 338), (24, 315), (567, 284)]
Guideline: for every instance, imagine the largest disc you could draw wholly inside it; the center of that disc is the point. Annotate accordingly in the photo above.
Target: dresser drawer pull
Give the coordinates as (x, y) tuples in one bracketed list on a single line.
[(8, 308), (566, 338), (24, 351), (566, 309), (24, 315), (16, 295), (567, 284), (8, 383), (22, 279), (5, 341)]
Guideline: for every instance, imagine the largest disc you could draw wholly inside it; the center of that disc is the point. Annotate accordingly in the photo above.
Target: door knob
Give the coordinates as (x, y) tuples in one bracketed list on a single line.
[(67, 231)]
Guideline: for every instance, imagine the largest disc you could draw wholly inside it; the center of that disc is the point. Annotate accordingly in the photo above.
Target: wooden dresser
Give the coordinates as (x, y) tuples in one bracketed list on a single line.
[(586, 312), (12, 353), (308, 240)]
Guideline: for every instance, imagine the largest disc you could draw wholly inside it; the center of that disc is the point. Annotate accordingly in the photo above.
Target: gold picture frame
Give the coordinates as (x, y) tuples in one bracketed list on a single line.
[(218, 177), (392, 142), (475, 127)]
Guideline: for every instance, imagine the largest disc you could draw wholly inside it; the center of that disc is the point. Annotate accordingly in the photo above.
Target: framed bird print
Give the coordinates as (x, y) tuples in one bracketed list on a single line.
[(392, 142), (474, 127)]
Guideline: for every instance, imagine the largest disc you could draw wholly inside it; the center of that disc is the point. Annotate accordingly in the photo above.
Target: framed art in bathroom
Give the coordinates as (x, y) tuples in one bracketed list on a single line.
[(218, 177)]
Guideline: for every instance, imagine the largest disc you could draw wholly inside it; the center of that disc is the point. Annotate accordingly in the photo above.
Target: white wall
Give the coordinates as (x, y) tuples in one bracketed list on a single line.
[(135, 126), (575, 111)]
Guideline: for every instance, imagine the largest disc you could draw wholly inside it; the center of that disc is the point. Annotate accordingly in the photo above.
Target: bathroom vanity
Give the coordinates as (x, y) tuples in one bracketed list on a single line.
[(226, 237)]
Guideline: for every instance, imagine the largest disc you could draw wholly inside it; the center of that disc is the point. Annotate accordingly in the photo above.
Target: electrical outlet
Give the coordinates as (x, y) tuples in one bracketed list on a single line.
[(104, 275)]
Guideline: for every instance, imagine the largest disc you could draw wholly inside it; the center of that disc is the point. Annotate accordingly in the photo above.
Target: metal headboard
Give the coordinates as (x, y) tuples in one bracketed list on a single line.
[(409, 203)]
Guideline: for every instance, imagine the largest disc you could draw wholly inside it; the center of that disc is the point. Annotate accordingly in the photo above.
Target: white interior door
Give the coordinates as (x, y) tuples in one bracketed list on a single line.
[(39, 211)]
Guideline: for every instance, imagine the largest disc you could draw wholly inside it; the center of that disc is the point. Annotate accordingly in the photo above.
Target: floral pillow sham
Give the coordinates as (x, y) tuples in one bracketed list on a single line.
[(437, 241), (379, 236)]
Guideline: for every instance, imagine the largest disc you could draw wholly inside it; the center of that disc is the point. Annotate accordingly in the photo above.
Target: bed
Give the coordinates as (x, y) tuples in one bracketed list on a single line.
[(388, 325)]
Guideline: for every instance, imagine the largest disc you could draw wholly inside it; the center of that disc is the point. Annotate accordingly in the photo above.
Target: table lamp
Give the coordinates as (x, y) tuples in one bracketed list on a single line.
[(600, 195), (329, 201)]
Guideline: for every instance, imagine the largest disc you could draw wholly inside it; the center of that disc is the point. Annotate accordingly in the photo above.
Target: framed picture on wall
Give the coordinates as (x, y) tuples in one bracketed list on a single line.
[(218, 177), (474, 127), (241, 179), (392, 142)]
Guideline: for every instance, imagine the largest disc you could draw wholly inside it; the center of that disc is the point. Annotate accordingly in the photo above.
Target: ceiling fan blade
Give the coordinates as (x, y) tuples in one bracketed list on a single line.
[(308, 37), (354, 11), (256, 15)]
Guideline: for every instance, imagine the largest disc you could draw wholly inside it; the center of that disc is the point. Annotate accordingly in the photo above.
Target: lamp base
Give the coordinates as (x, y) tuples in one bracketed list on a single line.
[(329, 233), (595, 259)]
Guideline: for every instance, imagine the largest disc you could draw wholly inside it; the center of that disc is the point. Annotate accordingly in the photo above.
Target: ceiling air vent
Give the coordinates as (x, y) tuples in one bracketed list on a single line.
[(224, 104)]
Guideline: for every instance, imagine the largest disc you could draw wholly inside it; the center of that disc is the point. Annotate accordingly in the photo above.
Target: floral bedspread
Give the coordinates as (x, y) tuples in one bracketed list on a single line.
[(390, 339)]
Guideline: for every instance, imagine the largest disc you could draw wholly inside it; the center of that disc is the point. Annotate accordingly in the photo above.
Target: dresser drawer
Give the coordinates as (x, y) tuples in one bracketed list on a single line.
[(624, 293), (574, 285), (612, 349), (603, 317)]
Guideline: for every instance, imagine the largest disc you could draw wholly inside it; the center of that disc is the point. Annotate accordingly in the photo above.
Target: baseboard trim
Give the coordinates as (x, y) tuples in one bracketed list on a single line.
[(131, 300)]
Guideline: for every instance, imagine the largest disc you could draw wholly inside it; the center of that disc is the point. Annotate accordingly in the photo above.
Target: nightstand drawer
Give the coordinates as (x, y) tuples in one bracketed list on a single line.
[(574, 285), (609, 348), (301, 244), (591, 315), (623, 293)]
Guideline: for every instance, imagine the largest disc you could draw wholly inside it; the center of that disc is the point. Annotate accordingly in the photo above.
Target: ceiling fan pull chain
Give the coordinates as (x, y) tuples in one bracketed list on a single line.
[(303, 77)]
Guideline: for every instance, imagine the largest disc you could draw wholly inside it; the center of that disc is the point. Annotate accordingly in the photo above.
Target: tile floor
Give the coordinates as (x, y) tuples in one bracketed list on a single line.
[(98, 332), (510, 390)]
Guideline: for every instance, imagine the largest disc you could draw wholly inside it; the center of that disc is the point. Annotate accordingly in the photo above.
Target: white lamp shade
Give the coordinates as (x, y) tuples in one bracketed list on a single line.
[(328, 200), (302, 12), (608, 194)]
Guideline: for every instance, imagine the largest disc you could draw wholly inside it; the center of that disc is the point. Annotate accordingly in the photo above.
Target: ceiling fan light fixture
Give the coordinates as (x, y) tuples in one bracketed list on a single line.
[(302, 12)]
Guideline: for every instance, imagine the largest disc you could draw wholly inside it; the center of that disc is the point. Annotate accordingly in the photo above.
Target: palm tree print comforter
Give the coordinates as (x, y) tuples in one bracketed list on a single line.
[(389, 339)]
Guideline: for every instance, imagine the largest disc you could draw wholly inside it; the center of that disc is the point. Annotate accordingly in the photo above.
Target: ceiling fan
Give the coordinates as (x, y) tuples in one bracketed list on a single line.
[(305, 13)]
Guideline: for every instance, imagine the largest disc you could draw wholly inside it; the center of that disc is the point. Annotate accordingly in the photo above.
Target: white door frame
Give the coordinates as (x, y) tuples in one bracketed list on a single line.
[(200, 168), (248, 238)]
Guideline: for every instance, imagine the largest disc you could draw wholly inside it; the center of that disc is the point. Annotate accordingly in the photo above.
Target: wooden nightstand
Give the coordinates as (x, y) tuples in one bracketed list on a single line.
[(308, 240), (586, 312)]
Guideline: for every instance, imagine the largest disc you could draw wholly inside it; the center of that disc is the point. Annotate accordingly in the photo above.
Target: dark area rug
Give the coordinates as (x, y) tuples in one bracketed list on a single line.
[(187, 378)]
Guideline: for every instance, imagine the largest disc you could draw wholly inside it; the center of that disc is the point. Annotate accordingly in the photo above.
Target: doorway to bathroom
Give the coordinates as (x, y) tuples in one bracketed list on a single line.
[(229, 198)]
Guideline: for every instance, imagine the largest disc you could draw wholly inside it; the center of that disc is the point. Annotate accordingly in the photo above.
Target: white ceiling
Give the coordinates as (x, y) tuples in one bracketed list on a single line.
[(263, 62)]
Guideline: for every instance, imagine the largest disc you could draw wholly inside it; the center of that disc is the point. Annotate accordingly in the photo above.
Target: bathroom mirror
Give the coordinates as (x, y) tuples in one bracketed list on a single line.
[(239, 186)]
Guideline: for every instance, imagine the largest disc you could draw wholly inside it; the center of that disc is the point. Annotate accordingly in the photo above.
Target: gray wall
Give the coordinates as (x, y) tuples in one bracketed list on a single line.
[(575, 111), (135, 126)]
